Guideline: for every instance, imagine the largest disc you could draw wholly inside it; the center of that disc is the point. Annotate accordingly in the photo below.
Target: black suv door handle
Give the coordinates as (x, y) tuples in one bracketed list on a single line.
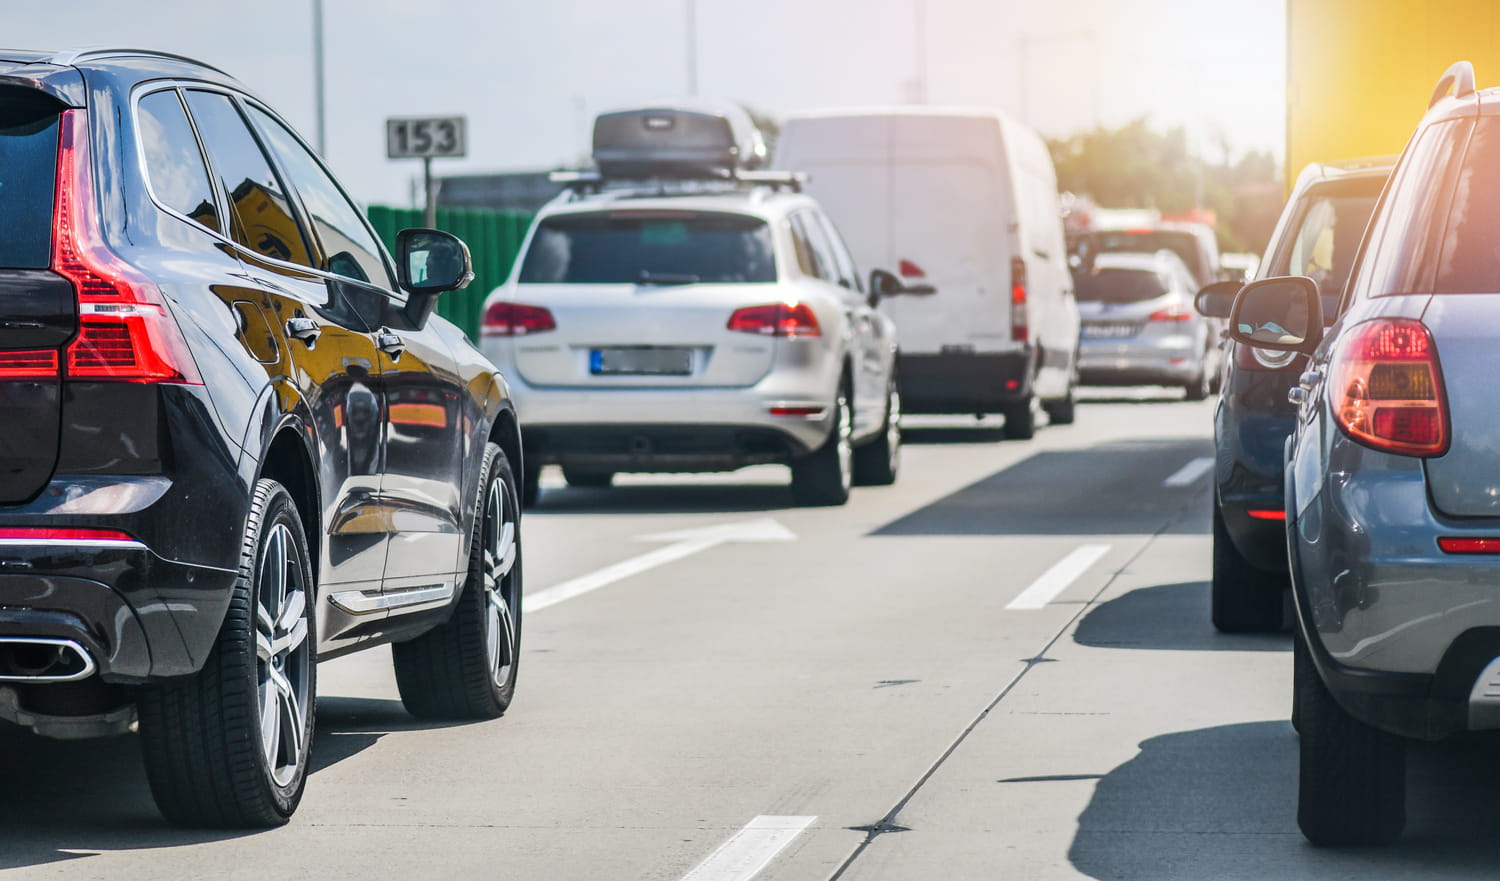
[(1310, 379), (390, 342), (304, 329)]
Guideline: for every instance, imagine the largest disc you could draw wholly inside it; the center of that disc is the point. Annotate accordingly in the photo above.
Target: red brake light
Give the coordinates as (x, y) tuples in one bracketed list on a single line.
[(125, 332), (516, 319), (1020, 328), (776, 319), (1172, 313), (1266, 514), (48, 534), (1470, 545), (1387, 389)]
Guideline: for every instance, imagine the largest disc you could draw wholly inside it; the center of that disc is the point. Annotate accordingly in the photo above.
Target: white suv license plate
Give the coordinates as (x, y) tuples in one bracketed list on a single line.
[(641, 361), (1109, 331)]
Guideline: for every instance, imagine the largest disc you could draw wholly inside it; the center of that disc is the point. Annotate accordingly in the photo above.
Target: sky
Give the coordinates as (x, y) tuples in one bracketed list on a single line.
[(530, 74)]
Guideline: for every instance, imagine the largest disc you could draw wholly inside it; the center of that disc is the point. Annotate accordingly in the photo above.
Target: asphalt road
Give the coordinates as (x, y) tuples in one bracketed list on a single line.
[(1001, 667)]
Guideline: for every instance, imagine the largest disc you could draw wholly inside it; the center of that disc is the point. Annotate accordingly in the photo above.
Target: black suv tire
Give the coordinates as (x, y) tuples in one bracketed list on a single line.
[(454, 671), (1245, 599), (202, 735)]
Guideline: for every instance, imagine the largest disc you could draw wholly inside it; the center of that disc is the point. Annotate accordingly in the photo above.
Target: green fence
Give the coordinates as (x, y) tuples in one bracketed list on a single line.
[(493, 238)]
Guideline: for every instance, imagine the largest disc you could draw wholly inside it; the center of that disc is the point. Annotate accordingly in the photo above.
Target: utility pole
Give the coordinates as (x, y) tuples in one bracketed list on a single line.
[(318, 76), (919, 34), (691, 9)]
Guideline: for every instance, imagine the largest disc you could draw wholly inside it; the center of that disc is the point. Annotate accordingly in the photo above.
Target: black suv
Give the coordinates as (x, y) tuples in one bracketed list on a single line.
[(236, 441), (1317, 236)]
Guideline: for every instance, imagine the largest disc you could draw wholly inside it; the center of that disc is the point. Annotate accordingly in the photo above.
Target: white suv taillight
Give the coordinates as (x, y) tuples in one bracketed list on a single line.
[(516, 319), (1386, 388), (776, 319)]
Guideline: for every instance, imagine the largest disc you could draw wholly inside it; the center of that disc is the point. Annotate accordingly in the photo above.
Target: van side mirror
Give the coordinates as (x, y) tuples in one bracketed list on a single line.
[(884, 283), (1280, 314), (1216, 300)]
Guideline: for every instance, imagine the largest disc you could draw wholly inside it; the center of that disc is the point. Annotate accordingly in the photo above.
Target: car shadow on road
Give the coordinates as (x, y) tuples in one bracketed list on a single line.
[(664, 498), (1114, 488), (1175, 617), (1222, 802), (66, 800)]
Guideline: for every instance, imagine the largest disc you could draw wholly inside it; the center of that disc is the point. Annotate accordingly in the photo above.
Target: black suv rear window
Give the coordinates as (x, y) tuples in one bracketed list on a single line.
[(1118, 286), (28, 175), (650, 247)]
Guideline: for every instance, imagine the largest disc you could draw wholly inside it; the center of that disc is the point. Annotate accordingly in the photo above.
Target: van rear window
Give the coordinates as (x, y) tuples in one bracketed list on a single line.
[(28, 175), (650, 247)]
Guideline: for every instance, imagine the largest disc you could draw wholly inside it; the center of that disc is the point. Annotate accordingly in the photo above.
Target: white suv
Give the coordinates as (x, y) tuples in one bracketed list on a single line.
[(700, 322)]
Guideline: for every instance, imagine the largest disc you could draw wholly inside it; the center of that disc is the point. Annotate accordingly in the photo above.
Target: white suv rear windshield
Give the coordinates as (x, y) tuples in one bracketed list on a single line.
[(650, 247)]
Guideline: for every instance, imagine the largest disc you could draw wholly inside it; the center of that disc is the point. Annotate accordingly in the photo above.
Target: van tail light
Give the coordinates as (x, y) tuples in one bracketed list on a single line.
[(1174, 314), (124, 330), (1020, 328), (776, 319), (1387, 389), (516, 319)]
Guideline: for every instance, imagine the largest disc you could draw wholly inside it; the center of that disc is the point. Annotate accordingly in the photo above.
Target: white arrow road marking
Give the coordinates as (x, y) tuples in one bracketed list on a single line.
[(750, 849), (1189, 473), (684, 543), (1056, 580)]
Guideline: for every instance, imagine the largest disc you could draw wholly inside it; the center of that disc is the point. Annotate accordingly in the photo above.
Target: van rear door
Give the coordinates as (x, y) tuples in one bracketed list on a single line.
[(38, 314)]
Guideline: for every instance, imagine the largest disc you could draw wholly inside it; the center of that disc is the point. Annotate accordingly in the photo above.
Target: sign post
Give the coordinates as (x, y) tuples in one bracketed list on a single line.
[(425, 138)]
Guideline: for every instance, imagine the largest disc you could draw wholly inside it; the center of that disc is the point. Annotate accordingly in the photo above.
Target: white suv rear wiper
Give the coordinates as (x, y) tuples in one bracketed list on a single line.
[(666, 278)]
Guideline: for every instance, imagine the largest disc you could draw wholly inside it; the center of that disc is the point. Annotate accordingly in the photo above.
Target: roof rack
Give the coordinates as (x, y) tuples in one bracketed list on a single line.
[(73, 56), (1459, 77), (585, 182)]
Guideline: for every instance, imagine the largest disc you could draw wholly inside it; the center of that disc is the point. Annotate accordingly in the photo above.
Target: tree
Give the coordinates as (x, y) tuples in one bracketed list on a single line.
[(1135, 166)]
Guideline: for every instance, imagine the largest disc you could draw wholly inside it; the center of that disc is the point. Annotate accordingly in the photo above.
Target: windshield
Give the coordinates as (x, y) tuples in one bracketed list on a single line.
[(28, 171), (1118, 286), (650, 247)]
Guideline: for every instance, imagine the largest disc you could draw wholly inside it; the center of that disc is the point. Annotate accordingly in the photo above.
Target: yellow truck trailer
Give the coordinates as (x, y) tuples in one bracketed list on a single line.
[(1360, 72)]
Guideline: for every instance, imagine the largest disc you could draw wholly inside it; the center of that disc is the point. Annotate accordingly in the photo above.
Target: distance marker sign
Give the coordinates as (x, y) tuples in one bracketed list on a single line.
[(422, 137)]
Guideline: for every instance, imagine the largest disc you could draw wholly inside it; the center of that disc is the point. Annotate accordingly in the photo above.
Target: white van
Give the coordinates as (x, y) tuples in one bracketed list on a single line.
[(964, 201)]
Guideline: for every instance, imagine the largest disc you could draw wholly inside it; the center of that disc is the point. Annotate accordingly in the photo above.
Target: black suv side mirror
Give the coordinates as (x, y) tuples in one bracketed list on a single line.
[(884, 283), (1216, 300), (1281, 314), (429, 262)]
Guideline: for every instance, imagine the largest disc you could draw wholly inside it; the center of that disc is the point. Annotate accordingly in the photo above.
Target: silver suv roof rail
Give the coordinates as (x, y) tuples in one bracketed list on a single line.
[(1459, 77), (70, 57), (586, 182)]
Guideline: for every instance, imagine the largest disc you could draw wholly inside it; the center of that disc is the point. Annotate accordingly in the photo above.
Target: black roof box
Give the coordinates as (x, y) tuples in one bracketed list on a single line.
[(682, 140)]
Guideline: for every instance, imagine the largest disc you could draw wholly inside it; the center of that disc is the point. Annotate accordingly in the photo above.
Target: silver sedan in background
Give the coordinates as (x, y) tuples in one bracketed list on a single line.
[(1140, 327)]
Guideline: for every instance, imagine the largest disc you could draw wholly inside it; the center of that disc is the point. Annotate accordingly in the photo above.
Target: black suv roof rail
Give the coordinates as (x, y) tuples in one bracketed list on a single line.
[(586, 182), (1459, 77), (70, 57)]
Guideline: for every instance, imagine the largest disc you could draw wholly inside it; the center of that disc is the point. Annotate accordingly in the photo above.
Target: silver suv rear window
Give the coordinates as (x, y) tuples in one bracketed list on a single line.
[(650, 247)]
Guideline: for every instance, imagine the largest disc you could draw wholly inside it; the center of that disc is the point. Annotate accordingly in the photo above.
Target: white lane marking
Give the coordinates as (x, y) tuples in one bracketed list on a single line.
[(684, 543), (750, 849), (1189, 473), (1056, 580)]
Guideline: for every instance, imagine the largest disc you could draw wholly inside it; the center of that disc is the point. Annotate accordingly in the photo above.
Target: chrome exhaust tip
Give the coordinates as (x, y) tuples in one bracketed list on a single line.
[(40, 659)]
